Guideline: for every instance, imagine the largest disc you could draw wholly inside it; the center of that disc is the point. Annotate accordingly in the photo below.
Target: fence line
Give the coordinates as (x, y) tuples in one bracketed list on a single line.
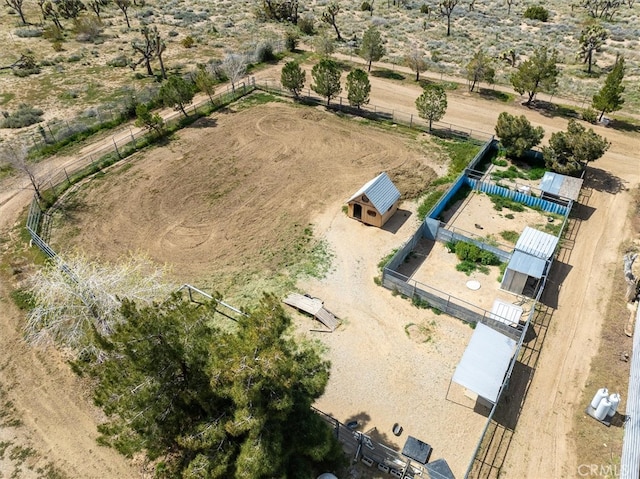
[(526, 199), (378, 112), (364, 448)]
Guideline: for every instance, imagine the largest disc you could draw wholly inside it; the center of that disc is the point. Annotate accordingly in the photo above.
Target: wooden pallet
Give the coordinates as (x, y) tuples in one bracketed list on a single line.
[(314, 307)]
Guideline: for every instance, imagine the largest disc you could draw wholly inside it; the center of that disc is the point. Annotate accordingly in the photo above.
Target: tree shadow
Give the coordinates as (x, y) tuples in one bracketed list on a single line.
[(495, 95), (398, 219), (552, 110), (204, 122), (624, 125), (603, 181), (358, 422), (388, 74)]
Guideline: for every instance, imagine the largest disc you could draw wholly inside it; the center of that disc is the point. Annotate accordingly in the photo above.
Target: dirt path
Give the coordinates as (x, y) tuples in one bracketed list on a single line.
[(62, 427)]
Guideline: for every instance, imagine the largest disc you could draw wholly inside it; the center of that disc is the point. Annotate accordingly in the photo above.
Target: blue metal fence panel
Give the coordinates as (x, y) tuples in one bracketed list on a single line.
[(532, 201)]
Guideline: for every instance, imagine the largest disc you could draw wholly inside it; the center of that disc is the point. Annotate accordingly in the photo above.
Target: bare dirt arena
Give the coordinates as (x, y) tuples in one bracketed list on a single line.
[(228, 194), (59, 421)]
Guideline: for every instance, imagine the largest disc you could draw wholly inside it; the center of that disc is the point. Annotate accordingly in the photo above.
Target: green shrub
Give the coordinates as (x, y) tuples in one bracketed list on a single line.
[(536, 173), (499, 162), (509, 216), (590, 115), (264, 52), (120, 61), (510, 236), (28, 32), (306, 25), (473, 253), (466, 267), (366, 6), (537, 12), (188, 41), (424, 9), (25, 115), (429, 201), (53, 33), (500, 202), (87, 28), (291, 40)]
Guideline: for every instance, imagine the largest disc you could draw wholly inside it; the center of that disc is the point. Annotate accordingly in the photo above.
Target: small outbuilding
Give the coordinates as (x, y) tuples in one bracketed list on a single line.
[(375, 202), (529, 262), (554, 186)]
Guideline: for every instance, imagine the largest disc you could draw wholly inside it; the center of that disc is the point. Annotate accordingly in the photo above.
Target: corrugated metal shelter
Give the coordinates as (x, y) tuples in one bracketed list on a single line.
[(375, 202), (561, 186), (506, 313), (630, 461), (529, 262), (485, 362)]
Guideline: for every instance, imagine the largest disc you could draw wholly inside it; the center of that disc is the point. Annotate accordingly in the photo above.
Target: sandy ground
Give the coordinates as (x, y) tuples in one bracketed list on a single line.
[(62, 427)]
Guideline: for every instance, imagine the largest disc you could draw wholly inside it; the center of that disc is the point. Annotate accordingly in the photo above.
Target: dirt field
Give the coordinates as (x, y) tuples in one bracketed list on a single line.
[(62, 428), (232, 196)]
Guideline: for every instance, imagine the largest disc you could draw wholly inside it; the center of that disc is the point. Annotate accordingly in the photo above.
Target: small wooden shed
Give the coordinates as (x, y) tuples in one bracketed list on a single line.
[(375, 202)]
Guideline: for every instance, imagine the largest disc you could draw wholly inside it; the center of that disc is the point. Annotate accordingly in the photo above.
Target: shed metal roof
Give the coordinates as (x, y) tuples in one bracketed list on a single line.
[(527, 264), (630, 461), (561, 185), (537, 243), (506, 313), (380, 191), (485, 362)]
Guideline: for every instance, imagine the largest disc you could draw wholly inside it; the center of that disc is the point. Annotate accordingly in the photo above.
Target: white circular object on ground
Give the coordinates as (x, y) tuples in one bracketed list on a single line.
[(473, 285)]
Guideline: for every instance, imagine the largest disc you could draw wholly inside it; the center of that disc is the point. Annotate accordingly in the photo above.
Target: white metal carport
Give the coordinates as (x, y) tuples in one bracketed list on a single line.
[(485, 362)]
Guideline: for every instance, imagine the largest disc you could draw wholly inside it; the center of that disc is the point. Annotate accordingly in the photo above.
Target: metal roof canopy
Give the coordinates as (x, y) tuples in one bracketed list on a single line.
[(537, 243), (561, 185), (506, 313), (380, 191), (485, 362), (527, 264)]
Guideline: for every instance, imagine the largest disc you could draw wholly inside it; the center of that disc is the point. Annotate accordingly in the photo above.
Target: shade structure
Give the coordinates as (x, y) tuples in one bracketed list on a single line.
[(485, 362), (506, 313), (561, 185), (527, 264)]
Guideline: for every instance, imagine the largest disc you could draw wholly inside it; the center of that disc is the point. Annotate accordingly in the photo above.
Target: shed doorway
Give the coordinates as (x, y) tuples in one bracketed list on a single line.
[(357, 211)]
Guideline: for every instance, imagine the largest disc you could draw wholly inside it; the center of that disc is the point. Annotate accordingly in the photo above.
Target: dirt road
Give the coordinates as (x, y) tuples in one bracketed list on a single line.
[(62, 427)]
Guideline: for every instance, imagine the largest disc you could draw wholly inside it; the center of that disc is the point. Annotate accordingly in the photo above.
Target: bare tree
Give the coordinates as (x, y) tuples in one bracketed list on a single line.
[(17, 6), (329, 17), (16, 156), (97, 6), (159, 46), (145, 47), (416, 61), (601, 8), (124, 5), (509, 4), (77, 297), (446, 9), (235, 67)]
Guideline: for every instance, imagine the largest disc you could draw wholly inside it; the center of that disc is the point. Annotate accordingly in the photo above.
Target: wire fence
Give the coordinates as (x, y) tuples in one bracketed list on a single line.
[(380, 113)]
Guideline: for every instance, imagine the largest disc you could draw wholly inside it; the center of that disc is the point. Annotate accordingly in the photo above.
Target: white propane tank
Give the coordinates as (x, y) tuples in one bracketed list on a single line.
[(600, 394), (603, 409), (615, 400)]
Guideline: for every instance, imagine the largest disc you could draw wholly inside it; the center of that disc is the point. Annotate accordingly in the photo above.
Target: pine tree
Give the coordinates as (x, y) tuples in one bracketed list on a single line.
[(540, 72), (292, 77), (326, 75), (609, 98), (214, 402), (371, 49), (358, 88), (432, 104)]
